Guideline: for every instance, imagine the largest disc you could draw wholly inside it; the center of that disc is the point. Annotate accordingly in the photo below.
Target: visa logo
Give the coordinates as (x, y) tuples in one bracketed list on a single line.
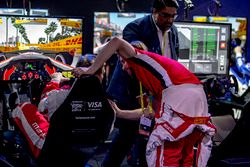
[(94, 104)]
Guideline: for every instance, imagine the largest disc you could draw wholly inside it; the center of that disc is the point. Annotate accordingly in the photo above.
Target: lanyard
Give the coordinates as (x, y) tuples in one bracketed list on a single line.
[(142, 101), (163, 47)]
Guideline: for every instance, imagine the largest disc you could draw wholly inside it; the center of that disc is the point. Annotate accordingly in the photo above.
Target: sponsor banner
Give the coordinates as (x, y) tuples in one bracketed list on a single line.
[(64, 45), (69, 23), (67, 42), (200, 19), (84, 106), (71, 44), (214, 19), (31, 21), (8, 49), (64, 49)]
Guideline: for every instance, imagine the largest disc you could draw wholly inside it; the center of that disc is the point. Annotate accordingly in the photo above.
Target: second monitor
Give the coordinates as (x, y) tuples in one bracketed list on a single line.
[(204, 47)]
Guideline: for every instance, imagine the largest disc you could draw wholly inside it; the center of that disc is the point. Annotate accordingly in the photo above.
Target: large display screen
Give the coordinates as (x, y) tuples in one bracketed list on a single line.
[(109, 24), (204, 47), (53, 42)]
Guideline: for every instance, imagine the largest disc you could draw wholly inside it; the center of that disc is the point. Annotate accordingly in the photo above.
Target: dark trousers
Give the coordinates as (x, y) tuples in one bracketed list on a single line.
[(122, 143)]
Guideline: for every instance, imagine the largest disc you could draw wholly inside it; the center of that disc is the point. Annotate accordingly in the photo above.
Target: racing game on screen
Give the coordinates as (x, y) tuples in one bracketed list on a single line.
[(49, 34)]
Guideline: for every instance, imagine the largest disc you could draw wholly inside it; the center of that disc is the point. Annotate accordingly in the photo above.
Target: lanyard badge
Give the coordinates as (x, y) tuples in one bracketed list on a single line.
[(145, 123)]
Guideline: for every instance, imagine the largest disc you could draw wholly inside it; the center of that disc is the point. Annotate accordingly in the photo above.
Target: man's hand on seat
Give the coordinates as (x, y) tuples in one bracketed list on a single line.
[(79, 71), (57, 77)]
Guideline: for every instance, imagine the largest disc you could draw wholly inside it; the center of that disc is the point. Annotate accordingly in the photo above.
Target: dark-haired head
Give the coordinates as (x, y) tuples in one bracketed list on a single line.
[(87, 60), (164, 13), (161, 4)]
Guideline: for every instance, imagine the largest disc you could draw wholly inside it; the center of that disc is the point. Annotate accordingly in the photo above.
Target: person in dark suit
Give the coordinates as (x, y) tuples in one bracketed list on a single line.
[(156, 30)]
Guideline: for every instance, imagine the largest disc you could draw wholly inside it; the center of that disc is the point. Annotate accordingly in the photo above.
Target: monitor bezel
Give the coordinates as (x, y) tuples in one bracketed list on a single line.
[(204, 75)]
